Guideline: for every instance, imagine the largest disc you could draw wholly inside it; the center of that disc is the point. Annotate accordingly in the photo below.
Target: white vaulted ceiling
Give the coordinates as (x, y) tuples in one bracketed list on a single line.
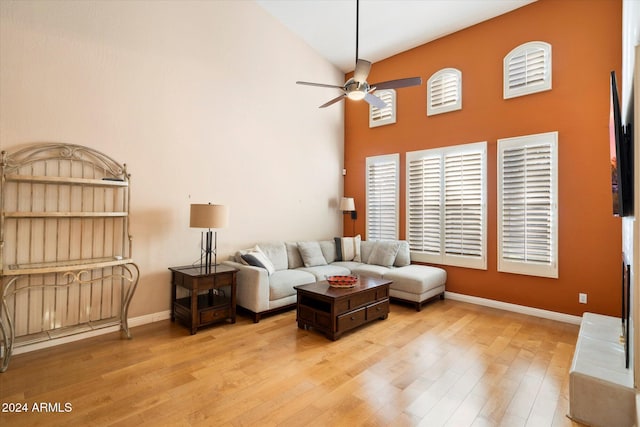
[(387, 27)]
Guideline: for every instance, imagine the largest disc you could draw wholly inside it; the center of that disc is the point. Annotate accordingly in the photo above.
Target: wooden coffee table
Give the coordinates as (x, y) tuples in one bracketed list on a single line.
[(334, 311)]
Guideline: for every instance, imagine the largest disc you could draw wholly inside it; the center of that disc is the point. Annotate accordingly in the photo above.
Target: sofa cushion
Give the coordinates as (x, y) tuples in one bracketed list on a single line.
[(404, 255), (311, 254), (258, 259), (293, 255), (384, 253), (349, 265), (370, 270), (328, 250), (322, 271), (281, 282), (416, 279), (277, 253), (348, 248)]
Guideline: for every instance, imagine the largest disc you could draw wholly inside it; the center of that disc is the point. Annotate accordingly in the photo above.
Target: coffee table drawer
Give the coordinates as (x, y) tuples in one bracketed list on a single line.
[(355, 301), (351, 320), (378, 310)]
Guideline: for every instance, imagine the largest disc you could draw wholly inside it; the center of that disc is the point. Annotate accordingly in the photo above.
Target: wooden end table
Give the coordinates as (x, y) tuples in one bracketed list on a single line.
[(200, 309), (334, 311)]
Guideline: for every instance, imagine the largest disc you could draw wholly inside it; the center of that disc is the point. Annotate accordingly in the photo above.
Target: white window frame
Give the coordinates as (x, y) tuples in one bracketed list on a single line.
[(383, 116), (526, 145), (446, 83), (435, 195), (534, 61), (376, 213)]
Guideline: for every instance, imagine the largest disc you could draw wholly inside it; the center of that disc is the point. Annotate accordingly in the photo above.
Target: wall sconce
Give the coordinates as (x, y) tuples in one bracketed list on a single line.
[(211, 217), (348, 205)]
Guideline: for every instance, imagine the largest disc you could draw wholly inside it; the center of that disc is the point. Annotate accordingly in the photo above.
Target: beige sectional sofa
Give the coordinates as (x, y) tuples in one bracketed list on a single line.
[(269, 271)]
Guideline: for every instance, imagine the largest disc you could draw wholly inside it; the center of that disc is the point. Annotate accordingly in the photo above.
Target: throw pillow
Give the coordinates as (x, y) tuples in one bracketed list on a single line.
[(384, 253), (238, 256), (293, 255), (348, 248), (365, 249), (328, 248), (404, 255), (257, 259), (276, 252), (311, 254)]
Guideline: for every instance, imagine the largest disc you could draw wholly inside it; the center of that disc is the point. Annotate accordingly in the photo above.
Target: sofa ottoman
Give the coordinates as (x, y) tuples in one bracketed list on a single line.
[(416, 283)]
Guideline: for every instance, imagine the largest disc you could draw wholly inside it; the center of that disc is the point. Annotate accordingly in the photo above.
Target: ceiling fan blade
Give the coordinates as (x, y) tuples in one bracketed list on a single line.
[(362, 70), (375, 101), (320, 85), (333, 101), (394, 84)]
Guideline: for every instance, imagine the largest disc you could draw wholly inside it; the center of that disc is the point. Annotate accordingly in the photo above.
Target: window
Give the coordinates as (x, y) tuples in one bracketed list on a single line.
[(383, 116), (444, 91), (527, 69), (382, 197), (528, 205), (446, 205)]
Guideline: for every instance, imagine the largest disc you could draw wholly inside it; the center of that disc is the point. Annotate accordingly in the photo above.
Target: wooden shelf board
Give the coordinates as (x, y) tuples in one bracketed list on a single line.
[(64, 214), (65, 331), (64, 266), (64, 180)]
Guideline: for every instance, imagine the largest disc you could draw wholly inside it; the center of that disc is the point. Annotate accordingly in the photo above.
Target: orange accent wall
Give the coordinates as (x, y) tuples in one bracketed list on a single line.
[(586, 39)]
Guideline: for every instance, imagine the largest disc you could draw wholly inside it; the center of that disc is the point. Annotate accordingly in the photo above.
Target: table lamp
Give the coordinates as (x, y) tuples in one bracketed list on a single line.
[(210, 217)]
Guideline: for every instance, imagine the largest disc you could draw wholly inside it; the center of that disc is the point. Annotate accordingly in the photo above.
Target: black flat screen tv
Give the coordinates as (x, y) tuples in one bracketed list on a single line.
[(621, 156)]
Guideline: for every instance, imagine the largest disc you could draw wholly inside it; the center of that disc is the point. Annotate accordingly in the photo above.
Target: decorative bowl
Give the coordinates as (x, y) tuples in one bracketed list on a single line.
[(342, 281)]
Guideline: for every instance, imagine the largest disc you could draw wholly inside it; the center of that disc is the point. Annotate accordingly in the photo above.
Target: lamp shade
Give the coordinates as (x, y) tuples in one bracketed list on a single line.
[(347, 204), (209, 216)]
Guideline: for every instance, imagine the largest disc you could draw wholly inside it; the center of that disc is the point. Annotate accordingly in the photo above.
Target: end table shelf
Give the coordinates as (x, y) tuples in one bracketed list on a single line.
[(201, 309)]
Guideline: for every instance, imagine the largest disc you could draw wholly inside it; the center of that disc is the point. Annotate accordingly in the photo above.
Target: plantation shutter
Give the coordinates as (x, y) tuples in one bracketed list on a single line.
[(527, 69), (444, 91), (463, 204), (386, 115), (527, 206), (446, 207), (382, 197), (424, 207)]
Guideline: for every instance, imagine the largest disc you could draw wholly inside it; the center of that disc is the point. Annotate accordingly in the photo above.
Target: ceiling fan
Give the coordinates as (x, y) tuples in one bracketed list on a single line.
[(357, 88)]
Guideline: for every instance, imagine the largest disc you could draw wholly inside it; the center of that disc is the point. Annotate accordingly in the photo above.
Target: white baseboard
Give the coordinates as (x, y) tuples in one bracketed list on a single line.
[(522, 309), (134, 321)]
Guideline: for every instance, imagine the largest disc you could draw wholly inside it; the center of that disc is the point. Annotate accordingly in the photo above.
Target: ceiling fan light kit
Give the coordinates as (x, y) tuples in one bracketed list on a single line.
[(357, 88), (356, 91)]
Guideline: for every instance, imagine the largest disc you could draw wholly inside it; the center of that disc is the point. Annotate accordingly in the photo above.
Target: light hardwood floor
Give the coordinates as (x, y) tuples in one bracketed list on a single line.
[(453, 364)]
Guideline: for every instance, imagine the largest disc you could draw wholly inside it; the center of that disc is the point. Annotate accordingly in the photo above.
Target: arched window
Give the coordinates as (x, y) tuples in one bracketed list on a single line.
[(386, 115), (444, 91), (527, 69)]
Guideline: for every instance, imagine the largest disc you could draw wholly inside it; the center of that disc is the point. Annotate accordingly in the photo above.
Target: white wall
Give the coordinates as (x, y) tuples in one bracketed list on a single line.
[(631, 225), (199, 99)]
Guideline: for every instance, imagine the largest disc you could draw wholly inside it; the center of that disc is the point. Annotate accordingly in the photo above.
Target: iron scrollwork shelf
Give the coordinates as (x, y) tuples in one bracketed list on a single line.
[(65, 245)]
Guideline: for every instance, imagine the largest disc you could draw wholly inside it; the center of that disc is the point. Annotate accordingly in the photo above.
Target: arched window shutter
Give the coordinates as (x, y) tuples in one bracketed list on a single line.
[(527, 69), (444, 91), (383, 116)]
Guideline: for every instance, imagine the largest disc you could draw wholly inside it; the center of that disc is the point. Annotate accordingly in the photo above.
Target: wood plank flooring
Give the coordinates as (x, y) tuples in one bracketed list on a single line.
[(452, 364)]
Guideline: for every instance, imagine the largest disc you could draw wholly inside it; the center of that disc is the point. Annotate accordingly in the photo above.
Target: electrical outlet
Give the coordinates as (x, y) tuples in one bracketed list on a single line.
[(582, 298)]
